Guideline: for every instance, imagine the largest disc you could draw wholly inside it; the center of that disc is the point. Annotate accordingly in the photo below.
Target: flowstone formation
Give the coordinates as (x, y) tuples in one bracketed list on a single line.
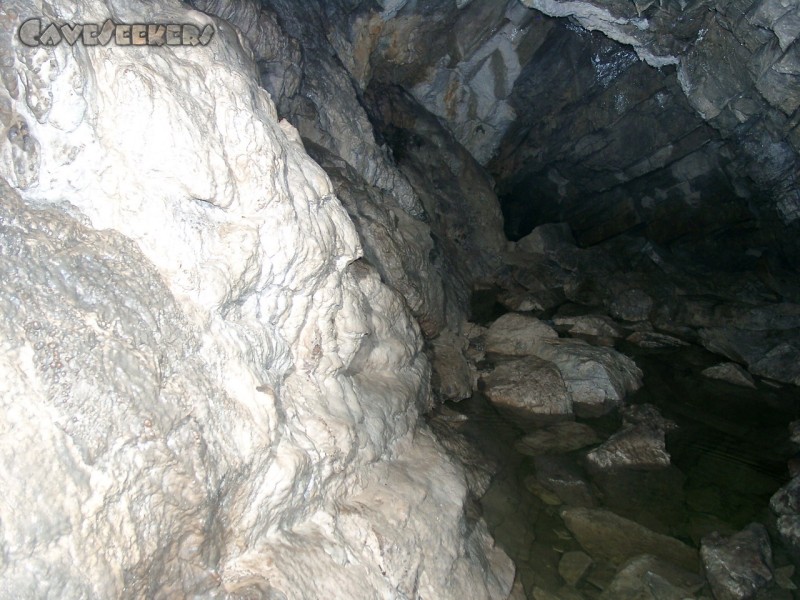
[(206, 391)]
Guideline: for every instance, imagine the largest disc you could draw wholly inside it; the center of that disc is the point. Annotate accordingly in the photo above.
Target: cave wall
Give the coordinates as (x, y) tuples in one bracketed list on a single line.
[(674, 120), (206, 390), (736, 65)]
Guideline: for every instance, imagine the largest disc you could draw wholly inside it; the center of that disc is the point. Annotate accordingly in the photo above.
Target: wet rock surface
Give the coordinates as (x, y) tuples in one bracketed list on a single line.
[(646, 577), (610, 537), (739, 566), (573, 566), (558, 438), (515, 334), (530, 386), (732, 373), (563, 478), (640, 444)]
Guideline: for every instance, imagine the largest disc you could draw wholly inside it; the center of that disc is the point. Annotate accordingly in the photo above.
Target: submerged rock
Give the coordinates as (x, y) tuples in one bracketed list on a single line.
[(562, 477), (640, 444), (573, 566), (607, 536), (732, 373), (739, 566), (529, 387), (649, 578), (634, 447), (558, 438), (652, 339), (592, 325)]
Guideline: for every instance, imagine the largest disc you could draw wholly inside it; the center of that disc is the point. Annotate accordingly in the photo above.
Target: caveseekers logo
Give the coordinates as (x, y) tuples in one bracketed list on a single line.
[(34, 32)]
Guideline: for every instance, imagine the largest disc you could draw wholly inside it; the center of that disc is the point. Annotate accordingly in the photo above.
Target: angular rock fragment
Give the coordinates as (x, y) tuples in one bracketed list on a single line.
[(646, 577), (546, 238), (607, 536), (640, 444), (573, 566), (562, 477), (514, 334), (598, 378), (634, 447), (732, 373), (452, 377), (593, 325), (536, 488), (652, 339), (739, 566), (530, 387), (558, 438)]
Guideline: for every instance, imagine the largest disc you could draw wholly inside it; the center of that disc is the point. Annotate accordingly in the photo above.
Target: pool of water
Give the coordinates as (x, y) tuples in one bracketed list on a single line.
[(729, 455)]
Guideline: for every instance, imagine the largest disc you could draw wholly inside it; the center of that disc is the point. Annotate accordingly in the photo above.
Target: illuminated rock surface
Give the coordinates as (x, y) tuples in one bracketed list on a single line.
[(205, 391)]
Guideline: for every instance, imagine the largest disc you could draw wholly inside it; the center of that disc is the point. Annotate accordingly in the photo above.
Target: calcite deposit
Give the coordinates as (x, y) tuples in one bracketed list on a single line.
[(206, 392)]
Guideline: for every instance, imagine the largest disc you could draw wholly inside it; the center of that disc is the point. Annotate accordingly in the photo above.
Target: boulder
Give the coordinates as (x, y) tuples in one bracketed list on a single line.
[(557, 438), (774, 354), (730, 372), (786, 501), (592, 325), (633, 447), (652, 339), (536, 488), (737, 567), (564, 478), (546, 238), (789, 529), (514, 334), (573, 566), (598, 378), (529, 387), (647, 414), (640, 444), (786, 504), (794, 432), (607, 536), (646, 577)]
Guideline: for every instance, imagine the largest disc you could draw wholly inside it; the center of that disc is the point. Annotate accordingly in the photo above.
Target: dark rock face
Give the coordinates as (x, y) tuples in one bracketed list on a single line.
[(720, 130)]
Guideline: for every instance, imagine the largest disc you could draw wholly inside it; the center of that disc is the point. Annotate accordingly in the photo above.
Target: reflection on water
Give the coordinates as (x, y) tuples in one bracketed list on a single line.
[(729, 456)]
